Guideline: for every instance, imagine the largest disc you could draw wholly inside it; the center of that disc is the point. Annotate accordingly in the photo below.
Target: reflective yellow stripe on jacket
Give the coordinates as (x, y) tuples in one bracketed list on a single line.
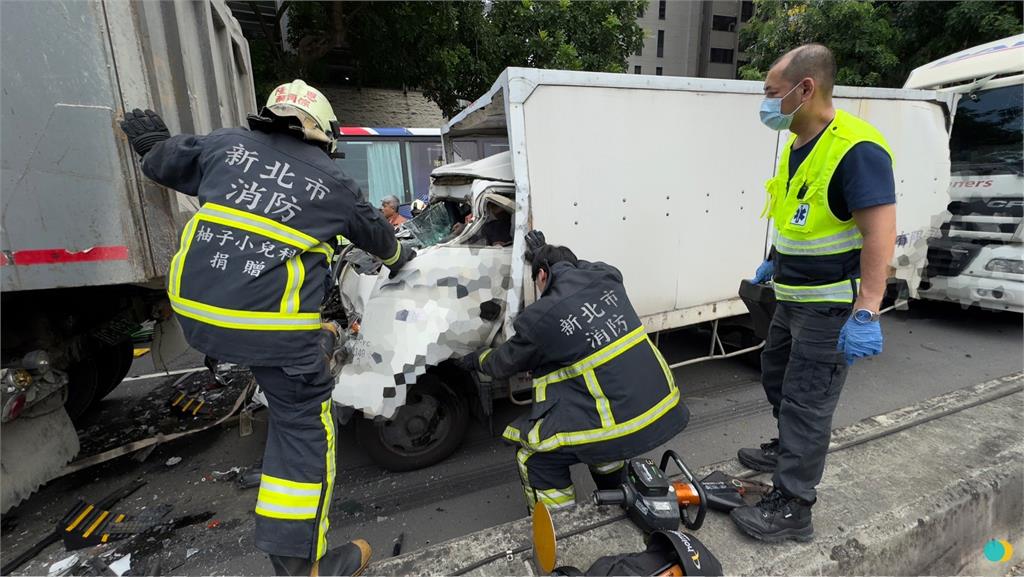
[(609, 428), (288, 317)]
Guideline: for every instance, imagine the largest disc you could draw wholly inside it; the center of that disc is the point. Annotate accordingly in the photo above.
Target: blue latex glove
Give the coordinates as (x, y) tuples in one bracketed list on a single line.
[(764, 272), (860, 340)]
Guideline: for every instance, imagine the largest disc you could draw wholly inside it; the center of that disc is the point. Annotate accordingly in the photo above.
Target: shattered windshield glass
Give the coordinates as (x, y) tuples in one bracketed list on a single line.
[(431, 225)]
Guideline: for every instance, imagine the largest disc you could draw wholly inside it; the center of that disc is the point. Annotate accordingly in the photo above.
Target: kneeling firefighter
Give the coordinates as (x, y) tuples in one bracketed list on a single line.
[(247, 284), (602, 392)]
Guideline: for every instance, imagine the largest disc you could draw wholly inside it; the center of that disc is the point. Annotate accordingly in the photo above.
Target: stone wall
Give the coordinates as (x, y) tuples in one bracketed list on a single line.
[(379, 107)]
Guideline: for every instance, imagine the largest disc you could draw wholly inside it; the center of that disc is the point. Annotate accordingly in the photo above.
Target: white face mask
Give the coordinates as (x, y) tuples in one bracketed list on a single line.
[(771, 112)]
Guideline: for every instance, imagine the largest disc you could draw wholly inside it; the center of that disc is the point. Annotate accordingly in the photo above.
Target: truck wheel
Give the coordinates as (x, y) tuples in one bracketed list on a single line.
[(115, 362), (426, 430), (83, 377)]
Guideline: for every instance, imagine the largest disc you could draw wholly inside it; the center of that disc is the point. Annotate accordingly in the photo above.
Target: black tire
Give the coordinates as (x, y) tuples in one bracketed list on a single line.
[(115, 362), (83, 377), (428, 429)]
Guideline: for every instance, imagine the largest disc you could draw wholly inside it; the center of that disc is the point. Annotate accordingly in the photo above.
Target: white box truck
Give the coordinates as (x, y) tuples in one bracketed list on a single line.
[(662, 177), (979, 259)]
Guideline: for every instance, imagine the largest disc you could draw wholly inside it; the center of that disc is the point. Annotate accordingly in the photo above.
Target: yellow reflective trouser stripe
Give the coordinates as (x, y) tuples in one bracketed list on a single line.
[(394, 257), (840, 292), (602, 356), (604, 408), (283, 499), (835, 244), (557, 498), (293, 287), (522, 455), (483, 356), (258, 224), (245, 320), (327, 418), (606, 434)]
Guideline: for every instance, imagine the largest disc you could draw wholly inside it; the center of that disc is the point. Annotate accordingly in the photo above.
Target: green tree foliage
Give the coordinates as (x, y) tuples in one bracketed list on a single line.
[(452, 51), (875, 43)]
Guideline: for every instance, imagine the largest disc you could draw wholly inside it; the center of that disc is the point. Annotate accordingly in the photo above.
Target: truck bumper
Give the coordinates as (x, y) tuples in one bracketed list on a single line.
[(994, 294)]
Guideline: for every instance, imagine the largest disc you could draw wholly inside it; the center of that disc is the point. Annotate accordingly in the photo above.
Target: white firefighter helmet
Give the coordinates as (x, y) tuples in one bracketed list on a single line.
[(307, 104)]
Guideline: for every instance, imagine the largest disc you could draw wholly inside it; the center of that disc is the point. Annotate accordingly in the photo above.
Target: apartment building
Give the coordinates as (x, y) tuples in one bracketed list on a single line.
[(692, 38)]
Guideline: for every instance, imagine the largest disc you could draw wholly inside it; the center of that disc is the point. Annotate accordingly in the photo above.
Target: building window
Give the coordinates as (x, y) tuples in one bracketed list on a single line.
[(657, 71), (637, 70), (721, 55), (746, 10), (661, 43), (640, 50), (661, 9), (723, 23)]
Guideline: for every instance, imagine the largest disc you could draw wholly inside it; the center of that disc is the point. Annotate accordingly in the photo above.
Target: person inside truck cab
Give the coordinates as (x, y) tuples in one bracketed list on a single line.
[(247, 283), (602, 391), (389, 208), (497, 231)]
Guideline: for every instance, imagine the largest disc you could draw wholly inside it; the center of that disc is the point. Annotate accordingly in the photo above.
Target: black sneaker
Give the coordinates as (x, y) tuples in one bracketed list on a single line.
[(764, 459), (775, 518)]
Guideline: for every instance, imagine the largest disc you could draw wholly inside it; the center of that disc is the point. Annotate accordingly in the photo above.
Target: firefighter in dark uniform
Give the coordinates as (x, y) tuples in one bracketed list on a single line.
[(602, 392), (247, 283), (832, 204)]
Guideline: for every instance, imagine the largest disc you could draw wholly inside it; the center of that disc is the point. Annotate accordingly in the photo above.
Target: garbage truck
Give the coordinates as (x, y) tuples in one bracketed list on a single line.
[(663, 177), (979, 258), (86, 239)]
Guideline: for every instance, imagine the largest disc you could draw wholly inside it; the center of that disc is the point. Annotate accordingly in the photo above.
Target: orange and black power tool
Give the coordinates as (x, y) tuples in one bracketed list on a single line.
[(655, 503), (652, 501)]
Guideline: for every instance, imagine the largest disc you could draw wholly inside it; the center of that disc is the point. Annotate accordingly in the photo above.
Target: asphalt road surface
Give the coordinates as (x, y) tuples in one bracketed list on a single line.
[(929, 350)]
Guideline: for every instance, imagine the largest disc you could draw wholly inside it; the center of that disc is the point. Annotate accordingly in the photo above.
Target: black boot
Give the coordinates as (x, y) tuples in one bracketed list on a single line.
[(764, 459), (776, 518), (349, 559)]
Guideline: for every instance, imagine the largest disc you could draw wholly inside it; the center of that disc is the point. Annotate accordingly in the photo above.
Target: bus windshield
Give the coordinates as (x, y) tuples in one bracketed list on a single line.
[(988, 133)]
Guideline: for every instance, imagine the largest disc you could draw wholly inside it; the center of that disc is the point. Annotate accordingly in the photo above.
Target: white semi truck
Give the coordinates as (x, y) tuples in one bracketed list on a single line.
[(662, 177), (979, 259), (86, 239)]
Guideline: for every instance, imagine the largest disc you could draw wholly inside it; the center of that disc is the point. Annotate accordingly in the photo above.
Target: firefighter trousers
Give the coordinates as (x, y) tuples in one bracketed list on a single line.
[(298, 462), (546, 478)]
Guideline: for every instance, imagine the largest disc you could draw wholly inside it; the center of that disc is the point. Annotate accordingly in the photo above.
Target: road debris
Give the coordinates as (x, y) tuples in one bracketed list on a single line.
[(60, 567), (173, 461), (122, 565)]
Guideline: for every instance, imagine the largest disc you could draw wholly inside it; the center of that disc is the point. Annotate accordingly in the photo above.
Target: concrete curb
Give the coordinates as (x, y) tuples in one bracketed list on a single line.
[(915, 491)]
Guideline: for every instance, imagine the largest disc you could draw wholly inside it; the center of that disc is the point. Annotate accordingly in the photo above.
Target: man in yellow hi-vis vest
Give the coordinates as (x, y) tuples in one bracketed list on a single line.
[(832, 204), (247, 283)]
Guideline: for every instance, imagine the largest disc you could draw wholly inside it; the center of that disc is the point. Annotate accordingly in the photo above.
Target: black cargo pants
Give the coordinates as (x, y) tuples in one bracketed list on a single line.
[(803, 375)]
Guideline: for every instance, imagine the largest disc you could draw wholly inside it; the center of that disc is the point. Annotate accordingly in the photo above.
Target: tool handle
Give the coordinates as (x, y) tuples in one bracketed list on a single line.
[(612, 497), (702, 507)]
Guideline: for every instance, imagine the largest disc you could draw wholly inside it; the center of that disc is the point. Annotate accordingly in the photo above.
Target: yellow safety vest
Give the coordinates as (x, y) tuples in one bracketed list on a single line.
[(803, 223)]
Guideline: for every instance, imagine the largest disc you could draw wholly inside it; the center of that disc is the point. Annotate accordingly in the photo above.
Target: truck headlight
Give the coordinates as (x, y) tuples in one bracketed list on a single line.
[(1005, 265)]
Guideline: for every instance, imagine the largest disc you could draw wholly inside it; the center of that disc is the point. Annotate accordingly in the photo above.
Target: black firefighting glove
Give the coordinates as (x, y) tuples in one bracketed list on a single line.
[(470, 362), (144, 130), (406, 255), (534, 240)]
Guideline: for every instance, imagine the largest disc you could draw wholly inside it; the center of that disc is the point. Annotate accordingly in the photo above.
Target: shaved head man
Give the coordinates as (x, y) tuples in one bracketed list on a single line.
[(832, 205)]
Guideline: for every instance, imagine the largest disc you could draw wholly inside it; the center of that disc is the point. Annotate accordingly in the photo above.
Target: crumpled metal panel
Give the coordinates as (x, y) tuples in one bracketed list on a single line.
[(429, 313)]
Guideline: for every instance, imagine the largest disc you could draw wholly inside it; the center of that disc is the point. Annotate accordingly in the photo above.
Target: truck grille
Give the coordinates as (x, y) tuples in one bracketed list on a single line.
[(947, 258)]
